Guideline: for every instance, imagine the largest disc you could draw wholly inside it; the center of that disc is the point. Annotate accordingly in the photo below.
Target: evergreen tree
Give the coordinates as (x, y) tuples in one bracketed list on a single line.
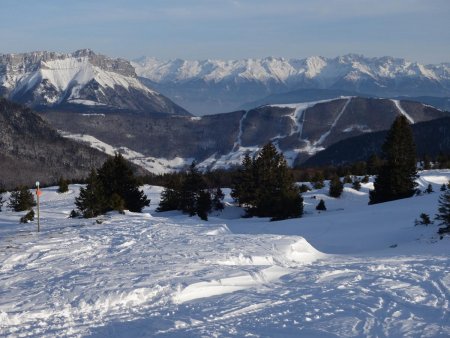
[(443, 187), (396, 178), (321, 206), (304, 188), (443, 214), (374, 164), (63, 185), (365, 179), (429, 189), (92, 200), (266, 187), (347, 179), (424, 219), (317, 180), (21, 199), (188, 192), (426, 162), (356, 185), (244, 188), (336, 187), (217, 202), (29, 217), (171, 195), (203, 204), (2, 191), (116, 177)]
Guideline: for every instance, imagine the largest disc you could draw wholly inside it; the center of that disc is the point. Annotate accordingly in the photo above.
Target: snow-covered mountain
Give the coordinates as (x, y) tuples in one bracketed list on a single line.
[(80, 80), (221, 140), (226, 85)]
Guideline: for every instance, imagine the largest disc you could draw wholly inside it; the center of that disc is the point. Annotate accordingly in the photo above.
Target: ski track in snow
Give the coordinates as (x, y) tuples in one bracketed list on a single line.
[(171, 275), (324, 136), (402, 111)]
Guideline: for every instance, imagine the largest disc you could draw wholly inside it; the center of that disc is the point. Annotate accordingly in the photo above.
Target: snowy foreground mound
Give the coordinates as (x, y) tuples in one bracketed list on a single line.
[(367, 272)]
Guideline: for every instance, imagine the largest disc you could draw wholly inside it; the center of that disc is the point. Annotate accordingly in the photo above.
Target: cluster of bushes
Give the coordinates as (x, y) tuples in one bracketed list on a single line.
[(189, 193)]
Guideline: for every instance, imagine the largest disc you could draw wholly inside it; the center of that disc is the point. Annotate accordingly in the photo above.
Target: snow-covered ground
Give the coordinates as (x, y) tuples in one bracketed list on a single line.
[(352, 271)]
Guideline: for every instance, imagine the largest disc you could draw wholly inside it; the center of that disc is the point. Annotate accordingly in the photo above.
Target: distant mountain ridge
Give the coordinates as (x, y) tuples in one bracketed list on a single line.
[(221, 140), (211, 86), (81, 80)]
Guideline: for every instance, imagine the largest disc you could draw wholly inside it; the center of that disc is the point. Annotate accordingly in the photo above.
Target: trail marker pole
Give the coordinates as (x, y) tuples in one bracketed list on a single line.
[(38, 194)]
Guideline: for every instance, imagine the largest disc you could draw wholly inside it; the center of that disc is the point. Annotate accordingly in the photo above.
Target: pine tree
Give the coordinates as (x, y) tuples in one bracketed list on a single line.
[(171, 195), (374, 164), (2, 191), (92, 200), (63, 185), (347, 179), (266, 188), (336, 187), (365, 179), (192, 185), (443, 214), (244, 188), (424, 219), (356, 185), (21, 199), (321, 206), (217, 201), (116, 177), (317, 180), (396, 178), (429, 189), (203, 204), (29, 217), (443, 187), (187, 192)]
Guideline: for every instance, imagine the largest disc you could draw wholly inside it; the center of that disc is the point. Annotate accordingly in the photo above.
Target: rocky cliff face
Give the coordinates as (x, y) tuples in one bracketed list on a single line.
[(80, 81)]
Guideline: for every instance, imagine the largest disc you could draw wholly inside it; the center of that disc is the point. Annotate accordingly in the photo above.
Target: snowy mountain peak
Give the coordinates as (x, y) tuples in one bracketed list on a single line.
[(82, 78), (234, 83)]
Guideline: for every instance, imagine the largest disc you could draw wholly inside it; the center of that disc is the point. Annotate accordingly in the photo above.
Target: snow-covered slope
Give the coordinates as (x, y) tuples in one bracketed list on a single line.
[(220, 141), (81, 78), (352, 271), (224, 82)]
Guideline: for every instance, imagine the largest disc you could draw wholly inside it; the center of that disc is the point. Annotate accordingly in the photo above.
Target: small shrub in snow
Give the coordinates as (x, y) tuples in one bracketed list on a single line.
[(347, 179), (304, 188), (356, 185), (336, 187), (424, 219), (429, 189), (29, 217), (63, 185), (74, 214), (365, 179), (321, 206), (443, 187)]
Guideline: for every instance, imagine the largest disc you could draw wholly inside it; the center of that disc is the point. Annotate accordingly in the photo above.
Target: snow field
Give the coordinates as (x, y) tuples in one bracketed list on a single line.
[(352, 271)]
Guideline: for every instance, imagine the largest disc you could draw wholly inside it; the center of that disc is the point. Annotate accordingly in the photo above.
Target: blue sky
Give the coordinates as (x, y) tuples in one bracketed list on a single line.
[(418, 30)]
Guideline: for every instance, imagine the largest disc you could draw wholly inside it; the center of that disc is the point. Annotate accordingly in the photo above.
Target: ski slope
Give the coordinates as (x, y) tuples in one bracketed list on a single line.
[(352, 271)]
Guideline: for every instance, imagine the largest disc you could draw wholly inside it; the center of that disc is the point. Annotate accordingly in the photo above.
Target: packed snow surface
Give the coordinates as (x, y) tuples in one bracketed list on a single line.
[(352, 271)]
